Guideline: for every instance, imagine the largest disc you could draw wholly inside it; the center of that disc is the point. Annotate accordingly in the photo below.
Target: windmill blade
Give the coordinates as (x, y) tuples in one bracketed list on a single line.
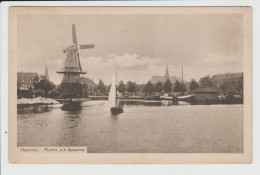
[(86, 46), (74, 36), (79, 62)]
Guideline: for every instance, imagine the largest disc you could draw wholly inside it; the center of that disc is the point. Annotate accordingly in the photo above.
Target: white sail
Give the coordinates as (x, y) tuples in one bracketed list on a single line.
[(112, 93)]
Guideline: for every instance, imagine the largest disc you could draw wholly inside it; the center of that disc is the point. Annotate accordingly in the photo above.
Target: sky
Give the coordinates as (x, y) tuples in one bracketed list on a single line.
[(136, 47)]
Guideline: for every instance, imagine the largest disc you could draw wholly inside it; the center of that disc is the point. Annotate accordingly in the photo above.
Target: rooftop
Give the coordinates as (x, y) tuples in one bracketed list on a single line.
[(227, 76), (27, 74)]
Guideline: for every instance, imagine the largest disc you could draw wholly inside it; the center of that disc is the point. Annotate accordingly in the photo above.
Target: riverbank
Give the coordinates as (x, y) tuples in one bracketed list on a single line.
[(35, 105), (40, 104), (192, 99), (36, 101)]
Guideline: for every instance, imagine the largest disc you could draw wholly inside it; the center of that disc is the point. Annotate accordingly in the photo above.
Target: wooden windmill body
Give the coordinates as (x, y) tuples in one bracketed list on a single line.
[(71, 86)]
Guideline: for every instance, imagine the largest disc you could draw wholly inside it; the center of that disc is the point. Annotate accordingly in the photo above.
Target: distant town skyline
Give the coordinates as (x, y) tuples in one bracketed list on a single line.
[(136, 47)]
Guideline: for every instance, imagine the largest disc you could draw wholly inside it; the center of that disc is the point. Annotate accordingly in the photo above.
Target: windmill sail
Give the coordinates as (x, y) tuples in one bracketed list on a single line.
[(87, 46), (71, 86), (74, 35), (112, 93)]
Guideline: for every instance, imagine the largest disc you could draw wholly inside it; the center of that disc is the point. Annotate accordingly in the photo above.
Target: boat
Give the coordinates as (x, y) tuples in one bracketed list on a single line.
[(112, 98), (166, 97), (185, 97)]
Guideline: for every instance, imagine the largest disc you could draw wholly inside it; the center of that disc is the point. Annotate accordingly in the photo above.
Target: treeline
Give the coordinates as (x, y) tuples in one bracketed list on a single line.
[(129, 88), (43, 86), (132, 88)]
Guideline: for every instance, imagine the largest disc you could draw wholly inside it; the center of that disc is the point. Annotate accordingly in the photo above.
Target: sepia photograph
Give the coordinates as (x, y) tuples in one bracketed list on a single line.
[(131, 81)]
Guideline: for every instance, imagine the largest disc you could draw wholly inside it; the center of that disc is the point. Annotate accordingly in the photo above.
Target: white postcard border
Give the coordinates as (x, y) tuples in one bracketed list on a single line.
[(181, 169)]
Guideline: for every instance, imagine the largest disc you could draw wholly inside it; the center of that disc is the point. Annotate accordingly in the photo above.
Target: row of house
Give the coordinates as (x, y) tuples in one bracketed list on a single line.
[(227, 86), (221, 88), (224, 84), (26, 80), (228, 83)]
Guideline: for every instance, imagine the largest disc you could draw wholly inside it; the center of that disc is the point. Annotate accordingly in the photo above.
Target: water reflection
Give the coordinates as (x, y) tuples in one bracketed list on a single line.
[(114, 117), (71, 107), (144, 129), (70, 130), (32, 109)]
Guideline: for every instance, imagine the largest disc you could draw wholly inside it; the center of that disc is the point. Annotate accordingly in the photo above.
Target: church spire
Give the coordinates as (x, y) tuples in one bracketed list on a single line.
[(46, 73), (182, 73), (167, 76)]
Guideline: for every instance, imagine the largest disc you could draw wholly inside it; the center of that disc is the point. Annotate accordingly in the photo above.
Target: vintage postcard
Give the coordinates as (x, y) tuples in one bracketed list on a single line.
[(142, 85)]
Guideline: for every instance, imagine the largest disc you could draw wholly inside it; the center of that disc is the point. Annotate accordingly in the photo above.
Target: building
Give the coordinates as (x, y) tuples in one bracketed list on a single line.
[(89, 86), (206, 93), (25, 84), (26, 80), (162, 79), (228, 83)]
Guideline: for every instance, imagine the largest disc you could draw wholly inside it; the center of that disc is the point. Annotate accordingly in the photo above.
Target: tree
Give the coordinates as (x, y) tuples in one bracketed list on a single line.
[(85, 86), (36, 79), (177, 86), (206, 80), (95, 90), (39, 92), (183, 88), (44, 85), (121, 87), (85, 89), (131, 87), (193, 85), (167, 86), (101, 87), (149, 88), (158, 87), (224, 88), (108, 87)]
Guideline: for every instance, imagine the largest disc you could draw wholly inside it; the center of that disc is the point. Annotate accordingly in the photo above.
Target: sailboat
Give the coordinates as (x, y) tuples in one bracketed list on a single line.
[(113, 103)]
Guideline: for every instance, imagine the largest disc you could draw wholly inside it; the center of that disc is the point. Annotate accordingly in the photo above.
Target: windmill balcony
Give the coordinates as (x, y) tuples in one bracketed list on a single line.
[(71, 70)]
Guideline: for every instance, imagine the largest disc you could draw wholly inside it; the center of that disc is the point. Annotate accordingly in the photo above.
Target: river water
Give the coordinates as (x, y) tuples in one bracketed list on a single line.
[(139, 129)]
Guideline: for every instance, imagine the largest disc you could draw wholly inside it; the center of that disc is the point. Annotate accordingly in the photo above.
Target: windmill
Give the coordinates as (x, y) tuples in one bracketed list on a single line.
[(71, 86)]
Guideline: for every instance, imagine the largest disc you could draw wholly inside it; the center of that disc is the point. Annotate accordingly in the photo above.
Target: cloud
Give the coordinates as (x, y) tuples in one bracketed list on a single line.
[(55, 62), (221, 61), (127, 61), (128, 67), (120, 62), (140, 69), (213, 63)]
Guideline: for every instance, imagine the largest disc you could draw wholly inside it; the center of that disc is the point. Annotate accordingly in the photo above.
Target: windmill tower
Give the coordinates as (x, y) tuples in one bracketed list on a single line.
[(71, 86)]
